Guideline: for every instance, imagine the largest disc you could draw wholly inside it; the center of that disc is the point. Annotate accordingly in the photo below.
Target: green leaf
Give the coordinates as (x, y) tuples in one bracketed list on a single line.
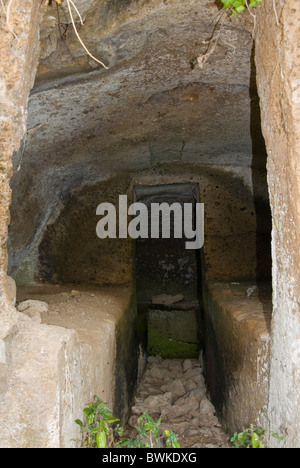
[(112, 420), (90, 419), (255, 442), (259, 431), (80, 423), (103, 426), (237, 6), (101, 440), (242, 436), (227, 3), (176, 444), (171, 441), (94, 430)]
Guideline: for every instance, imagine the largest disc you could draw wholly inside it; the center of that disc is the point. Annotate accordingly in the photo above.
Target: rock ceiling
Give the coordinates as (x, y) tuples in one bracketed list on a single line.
[(153, 105)]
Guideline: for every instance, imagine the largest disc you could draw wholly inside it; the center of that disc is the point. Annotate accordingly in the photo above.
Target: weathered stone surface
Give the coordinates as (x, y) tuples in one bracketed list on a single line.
[(207, 413), (172, 333), (176, 387), (18, 58), (278, 68), (166, 299), (34, 309), (173, 412), (2, 352), (134, 126), (118, 32), (156, 402), (11, 290), (187, 364), (190, 385), (191, 417), (157, 373), (237, 353), (66, 360), (129, 127), (39, 359)]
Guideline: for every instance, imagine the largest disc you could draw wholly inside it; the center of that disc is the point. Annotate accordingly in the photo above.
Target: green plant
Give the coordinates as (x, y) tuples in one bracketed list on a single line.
[(237, 6), (150, 435), (250, 438), (96, 430), (253, 437)]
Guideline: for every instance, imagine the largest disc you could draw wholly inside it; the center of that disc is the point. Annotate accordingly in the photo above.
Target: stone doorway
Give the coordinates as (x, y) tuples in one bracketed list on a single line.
[(168, 277)]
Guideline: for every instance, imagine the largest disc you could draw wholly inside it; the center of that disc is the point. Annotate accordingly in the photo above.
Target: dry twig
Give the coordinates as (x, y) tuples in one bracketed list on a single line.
[(213, 42), (71, 4)]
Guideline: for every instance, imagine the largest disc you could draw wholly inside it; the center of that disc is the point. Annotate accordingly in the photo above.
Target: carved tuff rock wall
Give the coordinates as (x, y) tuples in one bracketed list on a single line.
[(153, 117), (278, 67), (18, 65)]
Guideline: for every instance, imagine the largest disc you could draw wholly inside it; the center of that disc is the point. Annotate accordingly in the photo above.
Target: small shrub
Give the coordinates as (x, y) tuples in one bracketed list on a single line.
[(150, 435), (96, 429), (253, 437), (250, 438), (98, 432)]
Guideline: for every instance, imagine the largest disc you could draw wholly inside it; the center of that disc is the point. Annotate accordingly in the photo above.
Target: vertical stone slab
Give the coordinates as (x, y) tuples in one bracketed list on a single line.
[(237, 353), (278, 72), (19, 29), (48, 385)]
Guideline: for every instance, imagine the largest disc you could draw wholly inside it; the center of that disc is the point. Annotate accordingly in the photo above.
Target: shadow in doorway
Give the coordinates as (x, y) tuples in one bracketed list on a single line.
[(168, 276)]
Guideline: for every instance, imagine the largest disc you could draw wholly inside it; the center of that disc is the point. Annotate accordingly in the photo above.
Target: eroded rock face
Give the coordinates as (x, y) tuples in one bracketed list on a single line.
[(237, 351), (280, 106), (157, 36), (153, 109), (18, 58), (34, 309)]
